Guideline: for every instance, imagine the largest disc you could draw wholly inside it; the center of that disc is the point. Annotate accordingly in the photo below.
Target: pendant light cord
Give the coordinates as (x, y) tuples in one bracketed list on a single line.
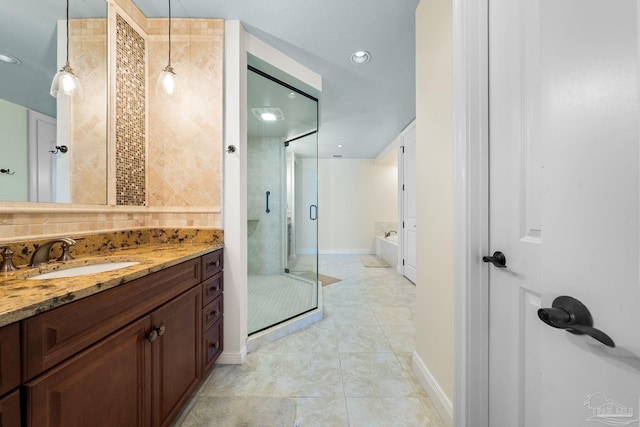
[(67, 32), (169, 32)]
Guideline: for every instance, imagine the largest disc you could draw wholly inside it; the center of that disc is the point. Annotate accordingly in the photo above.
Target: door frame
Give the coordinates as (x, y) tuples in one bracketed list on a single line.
[(402, 200), (471, 210)]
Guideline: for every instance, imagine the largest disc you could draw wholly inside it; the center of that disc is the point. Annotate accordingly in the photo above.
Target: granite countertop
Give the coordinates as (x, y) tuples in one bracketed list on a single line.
[(21, 298)]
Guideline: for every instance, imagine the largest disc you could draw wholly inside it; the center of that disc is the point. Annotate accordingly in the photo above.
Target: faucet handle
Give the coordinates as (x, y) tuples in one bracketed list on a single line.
[(7, 262), (66, 256)]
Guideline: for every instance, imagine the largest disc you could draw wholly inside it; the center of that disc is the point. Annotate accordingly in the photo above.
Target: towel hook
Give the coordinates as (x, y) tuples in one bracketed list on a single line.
[(7, 171)]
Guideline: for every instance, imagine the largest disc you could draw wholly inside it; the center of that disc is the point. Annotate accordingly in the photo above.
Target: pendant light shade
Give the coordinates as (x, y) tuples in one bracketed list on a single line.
[(65, 82), (167, 84)]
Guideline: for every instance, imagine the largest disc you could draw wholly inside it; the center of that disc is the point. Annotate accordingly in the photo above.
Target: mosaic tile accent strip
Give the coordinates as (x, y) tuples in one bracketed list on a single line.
[(130, 115)]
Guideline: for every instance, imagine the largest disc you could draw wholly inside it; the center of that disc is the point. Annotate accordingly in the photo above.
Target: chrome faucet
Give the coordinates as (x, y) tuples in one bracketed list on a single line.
[(388, 233), (41, 254)]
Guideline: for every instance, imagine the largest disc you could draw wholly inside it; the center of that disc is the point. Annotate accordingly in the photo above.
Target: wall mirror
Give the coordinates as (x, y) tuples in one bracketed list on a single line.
[(53, 150)]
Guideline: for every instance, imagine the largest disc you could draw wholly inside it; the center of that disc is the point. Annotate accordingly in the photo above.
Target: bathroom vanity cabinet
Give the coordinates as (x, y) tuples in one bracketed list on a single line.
[(10, 375), (212, 309), (128, 356)]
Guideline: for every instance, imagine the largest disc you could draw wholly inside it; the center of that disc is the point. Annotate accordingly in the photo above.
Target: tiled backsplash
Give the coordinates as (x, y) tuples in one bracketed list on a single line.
[(97, 243), (38, 222)]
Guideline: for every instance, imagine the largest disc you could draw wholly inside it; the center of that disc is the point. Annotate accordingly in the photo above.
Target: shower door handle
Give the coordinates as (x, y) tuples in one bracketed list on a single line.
[(313, 212), (268, 194)]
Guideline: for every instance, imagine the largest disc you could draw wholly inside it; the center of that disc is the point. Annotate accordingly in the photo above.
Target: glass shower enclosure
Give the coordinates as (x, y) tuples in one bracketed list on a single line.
[(282, 193)]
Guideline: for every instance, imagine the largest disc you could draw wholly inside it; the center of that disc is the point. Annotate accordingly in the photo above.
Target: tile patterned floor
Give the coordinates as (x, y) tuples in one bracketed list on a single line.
[(277, 297), (353, 368)]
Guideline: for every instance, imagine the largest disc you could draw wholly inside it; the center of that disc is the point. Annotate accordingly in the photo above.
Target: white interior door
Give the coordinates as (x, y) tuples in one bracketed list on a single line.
[(409, 201), (564, 210), (42, 143)]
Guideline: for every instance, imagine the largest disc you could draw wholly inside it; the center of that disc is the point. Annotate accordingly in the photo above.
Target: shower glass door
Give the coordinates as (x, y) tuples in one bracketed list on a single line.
[(282, 194)]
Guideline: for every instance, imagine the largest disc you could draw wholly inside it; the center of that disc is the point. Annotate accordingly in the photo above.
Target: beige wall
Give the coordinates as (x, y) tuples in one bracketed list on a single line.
[(354, 194), (434, 288)]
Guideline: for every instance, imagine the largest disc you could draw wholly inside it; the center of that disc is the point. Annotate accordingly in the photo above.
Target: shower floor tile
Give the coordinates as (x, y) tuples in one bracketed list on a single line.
[(277, 297)]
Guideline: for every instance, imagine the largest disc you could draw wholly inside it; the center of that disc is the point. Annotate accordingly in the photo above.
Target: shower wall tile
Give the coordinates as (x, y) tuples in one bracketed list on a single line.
[(266, 233)]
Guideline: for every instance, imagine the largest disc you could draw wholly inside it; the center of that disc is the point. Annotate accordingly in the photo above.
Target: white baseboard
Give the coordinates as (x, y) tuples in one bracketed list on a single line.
[(346, 251), (236, 358), (438, 397)]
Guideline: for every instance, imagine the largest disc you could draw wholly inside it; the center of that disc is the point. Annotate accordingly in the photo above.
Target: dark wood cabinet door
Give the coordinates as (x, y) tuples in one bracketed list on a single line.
[(106, 385), (176, 354), (10, 410), (9, 358)]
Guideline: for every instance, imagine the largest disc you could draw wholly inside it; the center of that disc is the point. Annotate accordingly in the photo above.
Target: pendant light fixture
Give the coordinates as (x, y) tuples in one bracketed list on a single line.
[(167, 80), (65, 82)]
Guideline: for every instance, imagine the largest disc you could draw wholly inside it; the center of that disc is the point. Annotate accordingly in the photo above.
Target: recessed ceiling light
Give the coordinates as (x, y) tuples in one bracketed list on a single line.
[(360, 57), (5, 57), (268, 114), (337, 156), (339, 145)]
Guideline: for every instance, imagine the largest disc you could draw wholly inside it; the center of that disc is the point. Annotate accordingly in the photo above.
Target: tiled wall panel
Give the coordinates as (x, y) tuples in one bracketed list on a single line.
[(88, 147), (131, 151)]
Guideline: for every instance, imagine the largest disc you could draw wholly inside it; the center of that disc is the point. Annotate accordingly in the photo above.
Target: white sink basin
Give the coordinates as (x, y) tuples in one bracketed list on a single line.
[(83, 270)]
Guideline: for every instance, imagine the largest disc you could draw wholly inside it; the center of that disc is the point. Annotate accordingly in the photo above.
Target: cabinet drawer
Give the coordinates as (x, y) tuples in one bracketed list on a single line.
[(212, 341), (212, 263), (10, 410), (55, 335), (9, 358), (212, 313), (212, 288)]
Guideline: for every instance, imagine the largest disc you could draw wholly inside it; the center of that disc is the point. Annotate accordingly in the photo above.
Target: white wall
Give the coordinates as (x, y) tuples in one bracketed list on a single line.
[(433, 358), (13, 152), (353, 195)]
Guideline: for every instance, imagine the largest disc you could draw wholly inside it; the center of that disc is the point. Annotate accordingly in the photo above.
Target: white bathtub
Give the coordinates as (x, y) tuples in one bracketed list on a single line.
[(387, 249)]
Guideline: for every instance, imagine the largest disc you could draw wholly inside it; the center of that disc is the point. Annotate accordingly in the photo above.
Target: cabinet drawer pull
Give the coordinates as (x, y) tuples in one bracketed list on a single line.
[(215, 263), (161, 330), (216, 313), (152, 336), (214, 288), (214, 345)]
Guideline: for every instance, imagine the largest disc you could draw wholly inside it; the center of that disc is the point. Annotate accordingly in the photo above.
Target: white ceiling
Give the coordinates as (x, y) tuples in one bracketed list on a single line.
[(362, 107)]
